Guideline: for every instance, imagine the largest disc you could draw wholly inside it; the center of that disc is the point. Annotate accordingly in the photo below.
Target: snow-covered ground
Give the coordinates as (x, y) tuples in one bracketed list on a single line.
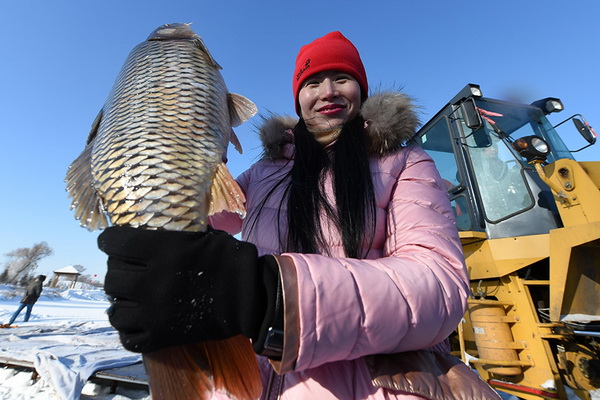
[(67, 338)]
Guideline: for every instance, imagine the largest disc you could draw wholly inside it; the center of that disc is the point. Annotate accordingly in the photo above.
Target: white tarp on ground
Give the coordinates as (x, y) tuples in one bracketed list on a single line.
[(67, 339)]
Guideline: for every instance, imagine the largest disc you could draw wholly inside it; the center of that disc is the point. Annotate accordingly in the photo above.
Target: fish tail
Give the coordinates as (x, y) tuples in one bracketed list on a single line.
[(179, 372), (234, 367), (193, 371)]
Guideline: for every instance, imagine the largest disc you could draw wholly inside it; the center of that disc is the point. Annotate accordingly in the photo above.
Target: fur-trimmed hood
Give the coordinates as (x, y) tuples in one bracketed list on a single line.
[(390, 121)]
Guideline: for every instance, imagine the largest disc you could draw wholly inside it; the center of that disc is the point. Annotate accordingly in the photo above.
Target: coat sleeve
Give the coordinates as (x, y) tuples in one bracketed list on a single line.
[(411, 298)]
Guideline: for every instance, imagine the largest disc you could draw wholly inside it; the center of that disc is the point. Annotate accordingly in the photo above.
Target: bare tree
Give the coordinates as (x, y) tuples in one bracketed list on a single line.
[(24, 261), (91, 280)]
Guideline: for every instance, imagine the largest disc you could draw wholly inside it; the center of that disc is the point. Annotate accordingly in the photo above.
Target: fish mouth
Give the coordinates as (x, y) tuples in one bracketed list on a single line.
[(181, 31), (172, 32)]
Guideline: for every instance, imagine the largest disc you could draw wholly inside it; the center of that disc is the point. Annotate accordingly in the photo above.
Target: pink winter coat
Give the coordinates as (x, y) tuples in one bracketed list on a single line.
[(409, 294)]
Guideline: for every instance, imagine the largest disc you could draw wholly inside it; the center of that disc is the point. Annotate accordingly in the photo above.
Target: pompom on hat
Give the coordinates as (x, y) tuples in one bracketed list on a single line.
[(332, 52)]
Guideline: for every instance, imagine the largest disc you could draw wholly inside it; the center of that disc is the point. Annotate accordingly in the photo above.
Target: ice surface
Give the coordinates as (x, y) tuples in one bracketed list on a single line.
[(67, 339)]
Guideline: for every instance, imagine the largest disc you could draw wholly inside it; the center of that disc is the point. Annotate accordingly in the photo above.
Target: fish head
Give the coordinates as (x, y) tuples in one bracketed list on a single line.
[(181, 31), (172, 32)]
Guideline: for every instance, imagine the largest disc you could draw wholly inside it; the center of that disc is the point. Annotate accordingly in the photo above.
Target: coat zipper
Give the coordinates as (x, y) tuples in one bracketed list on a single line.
[(274, 379)]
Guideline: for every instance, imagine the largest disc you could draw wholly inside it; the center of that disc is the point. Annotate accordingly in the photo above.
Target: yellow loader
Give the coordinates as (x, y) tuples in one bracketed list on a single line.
[(529, 220)]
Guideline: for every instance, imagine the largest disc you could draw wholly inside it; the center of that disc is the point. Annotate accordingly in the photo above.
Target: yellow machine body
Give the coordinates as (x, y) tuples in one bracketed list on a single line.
[(502, 331), (528, 215)]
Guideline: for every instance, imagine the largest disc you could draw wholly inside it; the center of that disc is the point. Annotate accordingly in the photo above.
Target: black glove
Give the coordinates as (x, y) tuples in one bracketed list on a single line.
[(170, 288)]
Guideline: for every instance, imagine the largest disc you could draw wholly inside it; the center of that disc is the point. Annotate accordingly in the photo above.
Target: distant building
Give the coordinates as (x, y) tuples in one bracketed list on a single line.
[(65, 277)]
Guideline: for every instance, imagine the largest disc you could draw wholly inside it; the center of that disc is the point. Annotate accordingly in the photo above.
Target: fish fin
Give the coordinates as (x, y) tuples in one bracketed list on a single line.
[(193, 371), (234, 367), (200, 44), (235, 141), (241, 109), (179, 372), (226, 194), (95, 127), (87, 205)]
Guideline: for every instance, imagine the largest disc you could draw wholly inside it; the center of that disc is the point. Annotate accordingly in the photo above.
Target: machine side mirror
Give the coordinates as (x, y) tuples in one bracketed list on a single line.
[(585, 130), (470, 114)]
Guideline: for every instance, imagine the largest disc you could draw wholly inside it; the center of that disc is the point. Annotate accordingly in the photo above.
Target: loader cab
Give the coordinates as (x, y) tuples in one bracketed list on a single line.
[(494, 192)]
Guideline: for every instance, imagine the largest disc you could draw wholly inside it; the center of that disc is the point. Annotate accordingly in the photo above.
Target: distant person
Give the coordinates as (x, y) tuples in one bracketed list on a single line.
[(32, 294)]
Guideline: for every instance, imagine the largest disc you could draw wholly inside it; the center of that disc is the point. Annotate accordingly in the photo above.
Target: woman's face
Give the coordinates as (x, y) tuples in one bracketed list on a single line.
[(329, 99)]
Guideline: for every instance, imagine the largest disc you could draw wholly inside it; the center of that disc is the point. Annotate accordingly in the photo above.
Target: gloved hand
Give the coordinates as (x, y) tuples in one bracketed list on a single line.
[(169, 288)]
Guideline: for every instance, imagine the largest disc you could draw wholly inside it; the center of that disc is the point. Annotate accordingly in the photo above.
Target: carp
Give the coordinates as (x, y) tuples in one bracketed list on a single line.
[(155, 159)]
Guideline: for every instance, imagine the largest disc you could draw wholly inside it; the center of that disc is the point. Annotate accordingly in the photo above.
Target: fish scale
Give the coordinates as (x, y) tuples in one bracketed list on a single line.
[(168, 119), (154, 160)]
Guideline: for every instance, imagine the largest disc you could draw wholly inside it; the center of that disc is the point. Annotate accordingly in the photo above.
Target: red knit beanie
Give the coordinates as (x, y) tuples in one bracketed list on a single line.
[(328, 53)]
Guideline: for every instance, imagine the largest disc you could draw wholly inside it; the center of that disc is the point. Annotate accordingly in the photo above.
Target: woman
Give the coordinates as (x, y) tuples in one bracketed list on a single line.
[(350, 262)]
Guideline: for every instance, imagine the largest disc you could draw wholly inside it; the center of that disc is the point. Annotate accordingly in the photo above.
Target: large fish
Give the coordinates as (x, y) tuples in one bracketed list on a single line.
[(154, 159)]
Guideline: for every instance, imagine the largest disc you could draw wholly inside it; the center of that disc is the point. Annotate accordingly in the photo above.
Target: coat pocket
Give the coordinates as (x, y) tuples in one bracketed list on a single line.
[(429, 374)]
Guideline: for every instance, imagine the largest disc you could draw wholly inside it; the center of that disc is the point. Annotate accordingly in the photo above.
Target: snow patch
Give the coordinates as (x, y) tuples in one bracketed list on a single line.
[(67, 339)]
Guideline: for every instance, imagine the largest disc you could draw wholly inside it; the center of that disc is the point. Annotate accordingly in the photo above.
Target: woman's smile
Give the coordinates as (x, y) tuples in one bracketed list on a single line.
[(331, 109), (329, 99)]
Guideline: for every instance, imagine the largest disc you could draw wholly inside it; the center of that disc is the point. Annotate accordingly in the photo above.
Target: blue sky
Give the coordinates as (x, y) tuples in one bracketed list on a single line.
[(60, 59)]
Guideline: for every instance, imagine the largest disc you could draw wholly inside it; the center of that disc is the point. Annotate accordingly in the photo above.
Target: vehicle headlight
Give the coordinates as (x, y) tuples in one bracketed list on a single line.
[(554, 105), (549, 105), (533, 148)]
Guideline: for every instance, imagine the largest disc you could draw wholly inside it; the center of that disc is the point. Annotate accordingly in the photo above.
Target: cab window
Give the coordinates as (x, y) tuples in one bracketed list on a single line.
[(437, 142)]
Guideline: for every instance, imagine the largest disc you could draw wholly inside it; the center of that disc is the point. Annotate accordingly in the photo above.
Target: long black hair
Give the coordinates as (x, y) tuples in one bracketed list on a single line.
[(353, 212)]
